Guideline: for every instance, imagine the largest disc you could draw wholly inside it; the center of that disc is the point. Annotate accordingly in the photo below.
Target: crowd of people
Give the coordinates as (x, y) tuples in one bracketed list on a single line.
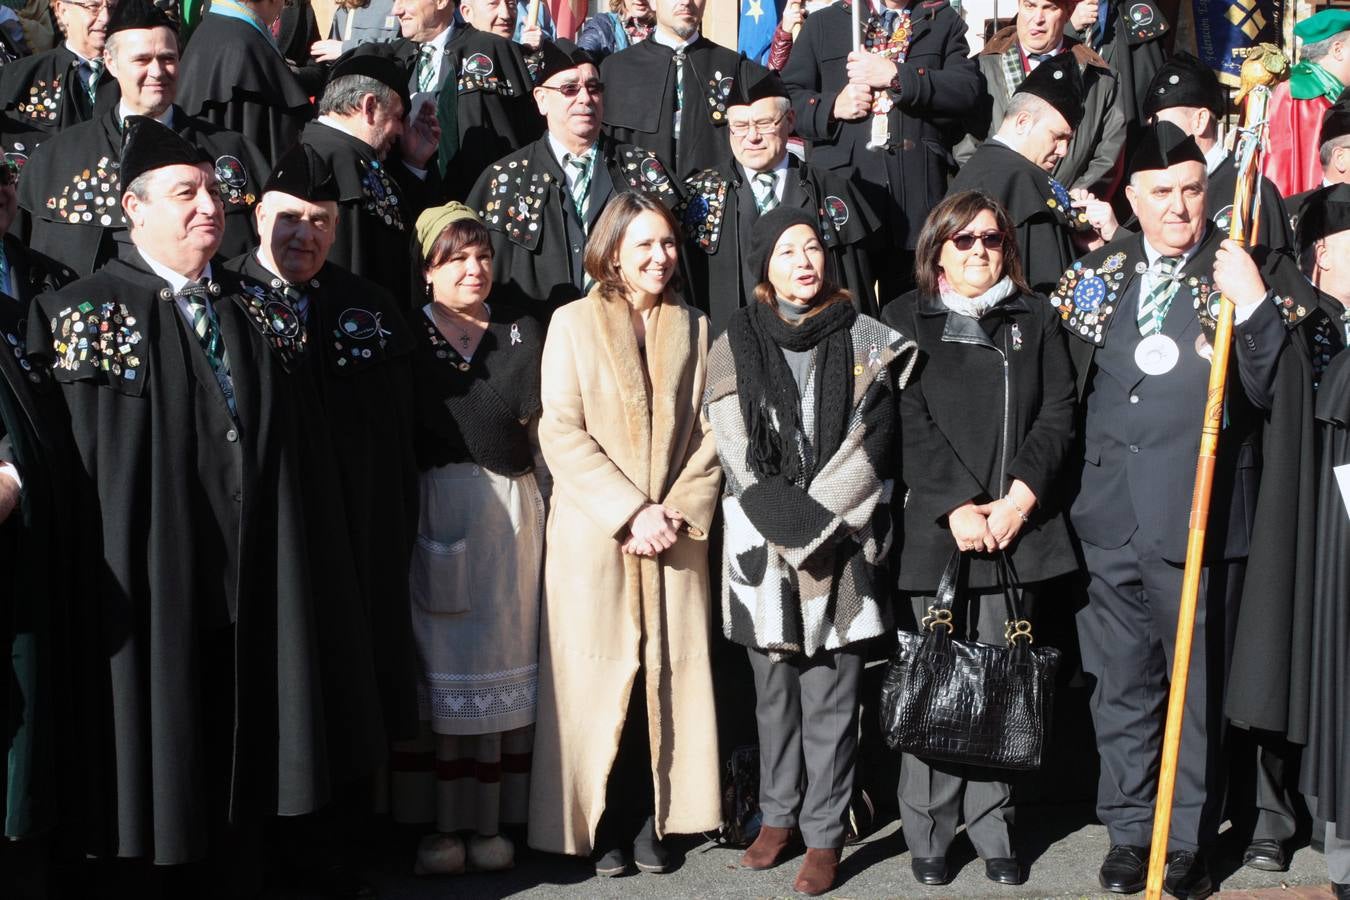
[(393, 417)]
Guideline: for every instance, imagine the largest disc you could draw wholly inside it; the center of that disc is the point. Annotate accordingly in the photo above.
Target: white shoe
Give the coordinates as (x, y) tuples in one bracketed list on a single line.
[(491, 854), (439, 854)]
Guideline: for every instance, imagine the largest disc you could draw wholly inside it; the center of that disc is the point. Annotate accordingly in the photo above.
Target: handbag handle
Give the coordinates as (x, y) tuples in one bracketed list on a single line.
[(1017, 625), (940, 613)]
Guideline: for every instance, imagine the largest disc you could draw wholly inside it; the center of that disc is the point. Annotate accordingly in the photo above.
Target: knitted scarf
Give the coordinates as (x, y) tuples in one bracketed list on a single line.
[(768, 392)]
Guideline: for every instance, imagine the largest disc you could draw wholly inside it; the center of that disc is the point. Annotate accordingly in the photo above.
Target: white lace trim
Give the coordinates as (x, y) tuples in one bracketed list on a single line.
[(479, 702)]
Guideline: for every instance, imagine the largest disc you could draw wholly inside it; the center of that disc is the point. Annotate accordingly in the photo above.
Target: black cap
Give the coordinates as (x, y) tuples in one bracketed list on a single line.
[(1184, 81), (377, 61), (559, 56), (1336, 120), (130, 14), (754, 82), (766, 231), (1325, 211), (1059, 82), (147, 145), (1161, 146), (302, 173)]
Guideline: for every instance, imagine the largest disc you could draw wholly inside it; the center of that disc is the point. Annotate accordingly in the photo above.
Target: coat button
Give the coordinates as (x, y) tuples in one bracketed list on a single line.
[(1134, 448), (1134, 398), (231, 435), (238, 496)]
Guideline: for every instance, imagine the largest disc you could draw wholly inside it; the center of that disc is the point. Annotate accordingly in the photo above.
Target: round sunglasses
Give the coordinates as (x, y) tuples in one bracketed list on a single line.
[(964, 240)]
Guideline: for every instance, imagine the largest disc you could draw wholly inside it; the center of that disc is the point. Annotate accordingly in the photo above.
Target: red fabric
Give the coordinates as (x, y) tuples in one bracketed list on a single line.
[(565, 18), (780, 49), (1291, 160)]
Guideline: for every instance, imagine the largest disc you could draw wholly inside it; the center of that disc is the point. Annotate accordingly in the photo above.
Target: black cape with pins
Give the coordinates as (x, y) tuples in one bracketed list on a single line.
[(484, 97), (360, 356), (72, 195), (719, 211), (1270, 669), (523, 200), (1274, 228), (235, 677), (42, 758), (378, 203), (640, 108), (233, 76), (1042, 217), (43, 95), (1326, 762)]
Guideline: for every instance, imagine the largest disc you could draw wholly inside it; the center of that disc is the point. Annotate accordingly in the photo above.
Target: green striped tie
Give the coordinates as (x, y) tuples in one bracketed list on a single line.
[(679, 91), (763, 188), (426, 67), (1154, 305), (581, 182)]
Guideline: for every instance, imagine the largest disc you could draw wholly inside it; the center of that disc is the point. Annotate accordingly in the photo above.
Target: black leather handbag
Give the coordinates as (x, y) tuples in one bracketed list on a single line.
[(966, 702)]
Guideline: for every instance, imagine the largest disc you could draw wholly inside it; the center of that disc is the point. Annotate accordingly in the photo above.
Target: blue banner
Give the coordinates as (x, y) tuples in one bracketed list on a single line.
[(1226, 29), (759, 19)]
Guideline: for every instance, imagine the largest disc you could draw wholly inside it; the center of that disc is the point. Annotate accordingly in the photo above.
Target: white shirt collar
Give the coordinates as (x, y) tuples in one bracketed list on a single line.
[(440, 40), (338, 125), (1153, 255), (1056, 51), (177, 281), (673, 43), (1215, 157), (776, 171), (84, 60), (559, 151), (165, 118)]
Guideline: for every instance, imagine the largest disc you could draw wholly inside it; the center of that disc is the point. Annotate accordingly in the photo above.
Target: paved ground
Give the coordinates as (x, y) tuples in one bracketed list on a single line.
[(1062, 843)]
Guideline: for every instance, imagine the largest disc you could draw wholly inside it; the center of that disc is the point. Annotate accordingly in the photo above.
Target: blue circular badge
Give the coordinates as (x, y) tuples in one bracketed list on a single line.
[(1061, 196), (1089, 293), (696, 211)]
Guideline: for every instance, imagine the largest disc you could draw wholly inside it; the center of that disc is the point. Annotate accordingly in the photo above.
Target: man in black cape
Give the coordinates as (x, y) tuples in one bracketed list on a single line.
[(540, 202), (38, 795), (1140, 315), (45, 93), (886, 117), (723, 203), (1272, 652), (1014, 168), (1187, 93), (670, 90), (379, 163), (234, 76), (72, 193), (479, 84), (1326, 761), (360, 357), (1128, 34), (235, 680)]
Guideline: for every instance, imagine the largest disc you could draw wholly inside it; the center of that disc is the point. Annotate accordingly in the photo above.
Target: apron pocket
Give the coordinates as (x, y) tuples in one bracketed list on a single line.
[(439, 580)]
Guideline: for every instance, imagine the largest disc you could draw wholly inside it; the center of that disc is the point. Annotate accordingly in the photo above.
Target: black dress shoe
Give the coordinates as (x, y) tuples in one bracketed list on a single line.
[(930, 869), (1341, 891), (649, 853), (1187, 876), (1266, 855), (1124, 870), (611, 864), (1005, 870)]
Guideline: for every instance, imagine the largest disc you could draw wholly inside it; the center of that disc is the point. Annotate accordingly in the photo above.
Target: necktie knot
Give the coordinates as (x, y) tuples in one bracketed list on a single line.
[(763, 186), (1039, 57), (1168, 266), (888, 18), (196, 292), (578, 161)]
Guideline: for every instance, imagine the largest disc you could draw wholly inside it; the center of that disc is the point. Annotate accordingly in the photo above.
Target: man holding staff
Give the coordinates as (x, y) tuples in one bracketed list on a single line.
[(1142, 312)]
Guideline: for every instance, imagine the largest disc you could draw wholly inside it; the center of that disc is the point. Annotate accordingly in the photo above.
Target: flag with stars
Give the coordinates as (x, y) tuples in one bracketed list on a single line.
[(759, 18), (1226, 29)]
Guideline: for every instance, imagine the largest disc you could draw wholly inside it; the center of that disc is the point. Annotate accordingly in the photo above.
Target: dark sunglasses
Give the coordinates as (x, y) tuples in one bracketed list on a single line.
[(964, 240), (572, 88)]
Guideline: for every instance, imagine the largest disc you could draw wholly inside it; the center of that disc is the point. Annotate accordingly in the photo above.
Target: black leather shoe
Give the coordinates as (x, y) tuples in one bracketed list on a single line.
[(1341, 891), (1187, 876), (649, 854), (611, 864), (930, 869), (1124, 870), (1006, 870), (1266, 855)]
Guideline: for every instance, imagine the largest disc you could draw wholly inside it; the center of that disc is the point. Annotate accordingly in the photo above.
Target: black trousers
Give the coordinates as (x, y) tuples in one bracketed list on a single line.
[(630, 799)]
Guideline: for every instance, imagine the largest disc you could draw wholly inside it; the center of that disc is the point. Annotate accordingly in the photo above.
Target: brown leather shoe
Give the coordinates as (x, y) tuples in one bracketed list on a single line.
[(768, 849), (817, 872)]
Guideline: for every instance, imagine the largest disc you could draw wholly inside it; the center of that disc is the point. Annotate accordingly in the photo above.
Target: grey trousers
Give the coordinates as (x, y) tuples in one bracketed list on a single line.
[(1127, 632), (1338, 856), (936, 796), (807, 712)]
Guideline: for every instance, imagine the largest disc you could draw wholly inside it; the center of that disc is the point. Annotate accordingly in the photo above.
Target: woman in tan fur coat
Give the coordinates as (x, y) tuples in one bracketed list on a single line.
[(626, 742)]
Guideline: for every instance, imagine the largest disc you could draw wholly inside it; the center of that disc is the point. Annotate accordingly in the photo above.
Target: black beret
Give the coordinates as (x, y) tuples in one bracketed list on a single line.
[(1325, 211), (129, 14), (754, 82), (1184, 81), (1336, 120), (1161, 146), (302, 173), (559, 56), (377, 61), (1059, 82), (147, 145), (766, 231)]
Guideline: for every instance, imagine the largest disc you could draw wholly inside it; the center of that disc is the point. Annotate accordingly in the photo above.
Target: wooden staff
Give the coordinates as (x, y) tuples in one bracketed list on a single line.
[(532, 14), (1251, 140)]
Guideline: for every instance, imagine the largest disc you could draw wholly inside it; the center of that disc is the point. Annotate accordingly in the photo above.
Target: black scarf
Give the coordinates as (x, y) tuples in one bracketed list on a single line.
[(765, 384)]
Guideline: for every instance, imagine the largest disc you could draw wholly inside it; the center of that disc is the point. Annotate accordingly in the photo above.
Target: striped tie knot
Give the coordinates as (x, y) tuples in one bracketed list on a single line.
[(763, 184)]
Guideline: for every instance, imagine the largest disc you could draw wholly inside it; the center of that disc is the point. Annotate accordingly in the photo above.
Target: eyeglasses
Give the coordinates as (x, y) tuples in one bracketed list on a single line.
[(93, 8), (572, 88), (741, 128), (964, 240)]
